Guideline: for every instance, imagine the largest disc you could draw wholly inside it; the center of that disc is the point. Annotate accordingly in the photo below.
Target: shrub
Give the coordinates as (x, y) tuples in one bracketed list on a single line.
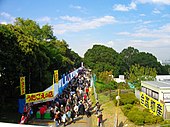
[(149, 120), (165, 122), (126, 108), (140, 117), (136, 116), (128, 98)]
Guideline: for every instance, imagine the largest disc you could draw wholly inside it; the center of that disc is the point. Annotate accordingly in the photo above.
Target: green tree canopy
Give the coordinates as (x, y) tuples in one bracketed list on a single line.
[(26, 49), (101, 58), (138, 73)]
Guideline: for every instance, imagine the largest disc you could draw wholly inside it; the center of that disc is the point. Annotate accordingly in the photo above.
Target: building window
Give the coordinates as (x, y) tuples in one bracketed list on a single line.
[(155, 95), (144, 89)]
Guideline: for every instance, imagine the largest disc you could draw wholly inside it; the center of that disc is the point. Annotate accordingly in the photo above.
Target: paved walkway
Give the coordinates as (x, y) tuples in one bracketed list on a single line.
[(81, 121)]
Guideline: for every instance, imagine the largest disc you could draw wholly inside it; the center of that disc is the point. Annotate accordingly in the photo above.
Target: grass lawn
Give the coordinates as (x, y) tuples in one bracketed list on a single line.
[(109, 110)]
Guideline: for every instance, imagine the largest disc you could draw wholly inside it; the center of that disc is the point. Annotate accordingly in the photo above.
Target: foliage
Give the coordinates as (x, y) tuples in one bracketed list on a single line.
[(135, 115), (132, 56), (141, 117), (126, 108), (163, 123), (102, 87), (138, 73), (26, 49), (101, 58), (127, 55), (105, 76), (126, 98), (122, 85)]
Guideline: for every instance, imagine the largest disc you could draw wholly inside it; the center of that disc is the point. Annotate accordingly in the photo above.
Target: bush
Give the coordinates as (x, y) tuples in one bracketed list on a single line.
[(165, 122), (140, 117), (136, 116), (102, 87), (126, 108), (128, 98)]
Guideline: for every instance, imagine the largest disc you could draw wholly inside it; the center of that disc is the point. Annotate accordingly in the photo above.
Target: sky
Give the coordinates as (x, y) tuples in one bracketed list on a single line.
[(142, 24)]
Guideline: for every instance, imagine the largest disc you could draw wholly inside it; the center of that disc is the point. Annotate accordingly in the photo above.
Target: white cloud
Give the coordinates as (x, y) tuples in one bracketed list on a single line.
[(110, 43), (76, 7), (166, 16), (4, 14), (147, 22), (123, 33), (166, 2), (71, 18), (8, 17), (162, 32), (156, 11), (120, 7), (44, 19), (148, 38), (142, 15), (3, 22), (83, 25)]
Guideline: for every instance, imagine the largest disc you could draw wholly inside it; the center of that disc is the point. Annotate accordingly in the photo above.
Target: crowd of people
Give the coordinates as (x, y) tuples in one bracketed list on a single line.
[(72, 103)]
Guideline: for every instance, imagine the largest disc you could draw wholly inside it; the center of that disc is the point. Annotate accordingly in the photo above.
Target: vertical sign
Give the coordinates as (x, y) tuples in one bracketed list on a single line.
[(56, 75), (22, 85), (153, 105)]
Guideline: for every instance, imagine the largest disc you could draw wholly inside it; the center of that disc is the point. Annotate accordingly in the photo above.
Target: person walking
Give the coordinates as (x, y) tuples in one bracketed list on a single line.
[(99, 119)]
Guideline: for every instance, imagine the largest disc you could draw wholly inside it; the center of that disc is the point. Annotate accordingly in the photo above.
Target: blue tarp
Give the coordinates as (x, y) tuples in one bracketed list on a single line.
[(131, 85), (21, 103)]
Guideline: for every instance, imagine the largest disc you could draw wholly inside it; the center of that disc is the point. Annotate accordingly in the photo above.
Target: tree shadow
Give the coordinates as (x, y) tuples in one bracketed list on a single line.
[(121, 124), (104, 120), (70, 121)]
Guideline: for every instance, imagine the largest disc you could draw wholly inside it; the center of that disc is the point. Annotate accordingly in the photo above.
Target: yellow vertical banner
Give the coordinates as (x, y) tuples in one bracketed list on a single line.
[(22, 85), (155, 107), (53, 82), (56, 75)]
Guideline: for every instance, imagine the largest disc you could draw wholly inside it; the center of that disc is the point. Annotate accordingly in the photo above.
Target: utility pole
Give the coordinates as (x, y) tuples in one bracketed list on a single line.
[(29, 89), (117, 108)]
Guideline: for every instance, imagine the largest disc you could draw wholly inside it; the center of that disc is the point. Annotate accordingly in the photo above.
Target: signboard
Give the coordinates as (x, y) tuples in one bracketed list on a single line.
[(56, 75), (153, 105), (40, 96), (22, 85)]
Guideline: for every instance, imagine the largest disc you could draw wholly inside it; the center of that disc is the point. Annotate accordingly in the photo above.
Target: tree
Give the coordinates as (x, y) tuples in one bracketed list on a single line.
[(26, 49), (127, 55), (138, 73), (101, 58), (131, 56)]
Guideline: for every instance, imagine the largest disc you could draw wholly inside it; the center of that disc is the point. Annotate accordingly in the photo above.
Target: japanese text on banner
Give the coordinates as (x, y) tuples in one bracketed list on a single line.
[(56, 75), (40, 96), (153, 105), (22, 85)]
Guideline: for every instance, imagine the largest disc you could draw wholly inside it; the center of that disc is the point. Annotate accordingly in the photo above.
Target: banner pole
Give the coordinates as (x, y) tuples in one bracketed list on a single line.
[(53, 84)]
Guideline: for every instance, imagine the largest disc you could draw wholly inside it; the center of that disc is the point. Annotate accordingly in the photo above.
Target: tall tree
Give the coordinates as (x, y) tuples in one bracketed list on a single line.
[(128, 54), (138, 73), (101, 58)]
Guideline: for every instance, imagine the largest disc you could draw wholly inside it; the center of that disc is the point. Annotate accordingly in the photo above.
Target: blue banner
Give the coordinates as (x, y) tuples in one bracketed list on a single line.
[(21, 103)]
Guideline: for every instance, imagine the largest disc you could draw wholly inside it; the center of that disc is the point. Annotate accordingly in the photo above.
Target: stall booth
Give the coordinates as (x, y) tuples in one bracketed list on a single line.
[(50, 93), (155, 96)]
